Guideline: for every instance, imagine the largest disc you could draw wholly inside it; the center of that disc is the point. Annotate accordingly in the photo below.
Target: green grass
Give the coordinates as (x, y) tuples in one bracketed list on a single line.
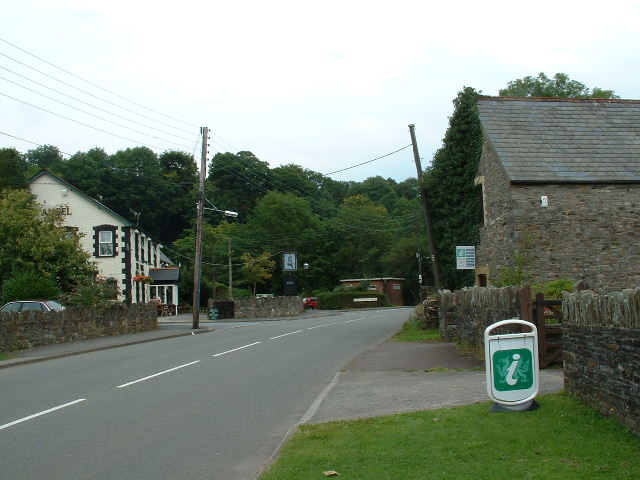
[(4, 356), (562, 440), (413, 332)]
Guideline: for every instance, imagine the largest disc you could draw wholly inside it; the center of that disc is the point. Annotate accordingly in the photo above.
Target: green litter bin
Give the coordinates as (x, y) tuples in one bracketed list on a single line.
[(213, 314)]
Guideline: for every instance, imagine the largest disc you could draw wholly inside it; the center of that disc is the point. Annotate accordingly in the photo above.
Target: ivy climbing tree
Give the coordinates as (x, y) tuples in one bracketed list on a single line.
[(454, 200)]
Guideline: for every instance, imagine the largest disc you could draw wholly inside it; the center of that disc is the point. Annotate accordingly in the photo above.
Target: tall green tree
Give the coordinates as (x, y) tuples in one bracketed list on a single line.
[(237, 181), (454, 201), (32, 239), (12, 169), (45, 156), (560, 85)]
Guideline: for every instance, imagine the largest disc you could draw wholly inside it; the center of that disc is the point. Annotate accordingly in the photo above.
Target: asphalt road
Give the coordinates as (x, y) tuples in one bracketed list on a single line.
[(213, 406)]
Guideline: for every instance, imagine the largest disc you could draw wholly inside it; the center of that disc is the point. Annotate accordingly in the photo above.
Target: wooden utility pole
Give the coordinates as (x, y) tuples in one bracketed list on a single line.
[(427, 219), (197, 268), (230, 273)]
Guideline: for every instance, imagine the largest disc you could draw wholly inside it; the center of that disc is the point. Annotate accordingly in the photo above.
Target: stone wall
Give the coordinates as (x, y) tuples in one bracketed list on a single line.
[(496, 248), (601, 340), (588, 231), (20, 331), (268, 307), (464, 314)]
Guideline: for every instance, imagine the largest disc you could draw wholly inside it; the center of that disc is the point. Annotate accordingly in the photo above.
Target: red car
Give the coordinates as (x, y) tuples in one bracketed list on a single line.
[(310, 302)]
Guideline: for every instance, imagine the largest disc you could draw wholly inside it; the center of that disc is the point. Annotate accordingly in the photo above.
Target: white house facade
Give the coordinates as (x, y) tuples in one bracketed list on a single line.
[(119, 249)]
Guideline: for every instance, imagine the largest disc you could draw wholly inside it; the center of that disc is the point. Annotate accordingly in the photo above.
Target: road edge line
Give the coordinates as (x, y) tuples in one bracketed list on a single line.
[(305, 418)]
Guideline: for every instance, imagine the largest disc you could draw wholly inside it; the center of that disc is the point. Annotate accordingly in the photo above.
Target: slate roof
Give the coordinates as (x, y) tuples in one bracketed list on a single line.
[(543, 140)]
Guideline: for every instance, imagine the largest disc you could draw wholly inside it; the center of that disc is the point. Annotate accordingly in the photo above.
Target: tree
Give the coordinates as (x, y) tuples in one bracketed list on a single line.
[(45, 156), (237, 181), (257, 269), (560, 86), (32, 239), (453, 198), (12, 170)]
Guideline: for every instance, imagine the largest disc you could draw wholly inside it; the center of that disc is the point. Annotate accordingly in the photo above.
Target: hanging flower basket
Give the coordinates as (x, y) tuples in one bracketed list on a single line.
[(142, 278)]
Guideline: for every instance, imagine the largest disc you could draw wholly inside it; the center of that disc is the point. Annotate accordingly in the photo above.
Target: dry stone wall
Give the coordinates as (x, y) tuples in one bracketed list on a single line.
[(268, 307), (19, 331), (464, 314), (601, 341)]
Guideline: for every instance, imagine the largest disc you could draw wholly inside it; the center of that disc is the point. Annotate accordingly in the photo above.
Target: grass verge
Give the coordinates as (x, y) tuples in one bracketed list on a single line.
[(412, 331), (564, 439)]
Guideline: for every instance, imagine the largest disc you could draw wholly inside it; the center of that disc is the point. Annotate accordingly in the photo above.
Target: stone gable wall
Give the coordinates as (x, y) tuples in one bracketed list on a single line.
[(496, 249), (19, 331)]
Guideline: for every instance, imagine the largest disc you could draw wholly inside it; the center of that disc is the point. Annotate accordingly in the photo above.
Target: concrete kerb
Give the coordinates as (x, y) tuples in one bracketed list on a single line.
[(49, 352)]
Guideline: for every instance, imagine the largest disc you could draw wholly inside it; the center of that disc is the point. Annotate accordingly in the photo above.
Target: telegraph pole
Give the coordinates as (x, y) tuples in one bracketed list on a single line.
[(230, 273), (197, 270), (427, 219)]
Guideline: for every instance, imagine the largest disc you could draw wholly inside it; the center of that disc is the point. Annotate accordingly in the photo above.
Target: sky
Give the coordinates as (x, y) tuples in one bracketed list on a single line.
[(325, 85)]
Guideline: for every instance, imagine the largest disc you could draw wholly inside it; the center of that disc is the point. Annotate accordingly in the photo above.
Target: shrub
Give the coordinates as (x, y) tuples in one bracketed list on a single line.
[(93, 292), (554, 288), (30, 286), (344, 299)]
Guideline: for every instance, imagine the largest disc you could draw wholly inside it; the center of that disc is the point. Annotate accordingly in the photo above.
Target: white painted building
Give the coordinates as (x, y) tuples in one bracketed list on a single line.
[(119, 249)]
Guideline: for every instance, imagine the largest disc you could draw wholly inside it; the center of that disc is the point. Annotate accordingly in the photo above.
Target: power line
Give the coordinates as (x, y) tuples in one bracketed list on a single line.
[(92, 115), (29, 141), (92, 95), (97, 86), (369, 161), (81, 123), (85, 103)]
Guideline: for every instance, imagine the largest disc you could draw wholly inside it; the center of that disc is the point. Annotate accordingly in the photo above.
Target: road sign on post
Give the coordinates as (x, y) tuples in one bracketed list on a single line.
[(512, 366)]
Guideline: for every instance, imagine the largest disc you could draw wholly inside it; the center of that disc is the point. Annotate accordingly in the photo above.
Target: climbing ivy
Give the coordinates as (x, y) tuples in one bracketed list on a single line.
[(453, 198)]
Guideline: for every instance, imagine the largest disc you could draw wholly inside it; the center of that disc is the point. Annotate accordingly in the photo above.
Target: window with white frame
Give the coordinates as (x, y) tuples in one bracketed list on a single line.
[(105, 243)]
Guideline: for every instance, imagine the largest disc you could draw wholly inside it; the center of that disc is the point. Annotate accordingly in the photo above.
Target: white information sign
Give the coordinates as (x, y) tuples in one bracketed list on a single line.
[(466, 258), (512, 364)]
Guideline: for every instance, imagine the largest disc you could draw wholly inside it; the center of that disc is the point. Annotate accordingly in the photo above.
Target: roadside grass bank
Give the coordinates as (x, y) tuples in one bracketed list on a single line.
[(412, 331), (564, 439)]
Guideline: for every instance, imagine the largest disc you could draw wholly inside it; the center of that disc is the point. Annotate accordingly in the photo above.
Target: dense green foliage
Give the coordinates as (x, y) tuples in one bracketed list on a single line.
[(33, 240), (560, 86), (343, 299), (454, 200), (30, 285)]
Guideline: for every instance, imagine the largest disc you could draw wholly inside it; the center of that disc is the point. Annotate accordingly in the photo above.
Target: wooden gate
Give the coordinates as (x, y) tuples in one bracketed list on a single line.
[(546, 315)]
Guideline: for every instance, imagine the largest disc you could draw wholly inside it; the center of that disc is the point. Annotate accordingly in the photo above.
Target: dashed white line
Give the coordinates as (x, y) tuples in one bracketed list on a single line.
[(320, 326), (157, 374), (236, 349), (355, 320), (44, 412), (286, 334)]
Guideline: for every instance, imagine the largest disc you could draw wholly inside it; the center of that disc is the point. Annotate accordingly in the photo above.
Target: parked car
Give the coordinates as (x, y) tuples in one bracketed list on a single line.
[(310, 302), (33, 306)]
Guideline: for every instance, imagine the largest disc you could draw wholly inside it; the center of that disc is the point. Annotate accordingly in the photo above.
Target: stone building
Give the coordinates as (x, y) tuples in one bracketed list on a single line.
[(561, 190), (118, 247)]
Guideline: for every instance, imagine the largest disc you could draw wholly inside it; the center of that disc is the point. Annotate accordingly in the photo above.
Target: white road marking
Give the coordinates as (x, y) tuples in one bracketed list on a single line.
[(320, 326), (284, 335), (235, 349), (7, 425), (355, 320), (157, 374)]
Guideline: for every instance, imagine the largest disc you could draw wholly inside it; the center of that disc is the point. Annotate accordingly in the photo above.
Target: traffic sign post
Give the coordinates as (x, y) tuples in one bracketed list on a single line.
[(512, 366)]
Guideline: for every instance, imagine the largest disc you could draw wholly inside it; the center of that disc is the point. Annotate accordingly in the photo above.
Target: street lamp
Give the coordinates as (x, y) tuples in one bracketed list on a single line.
[(197, 271)]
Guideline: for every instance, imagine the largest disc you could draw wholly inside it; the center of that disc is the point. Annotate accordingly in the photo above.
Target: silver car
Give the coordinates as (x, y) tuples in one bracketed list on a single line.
[(32, 306)]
